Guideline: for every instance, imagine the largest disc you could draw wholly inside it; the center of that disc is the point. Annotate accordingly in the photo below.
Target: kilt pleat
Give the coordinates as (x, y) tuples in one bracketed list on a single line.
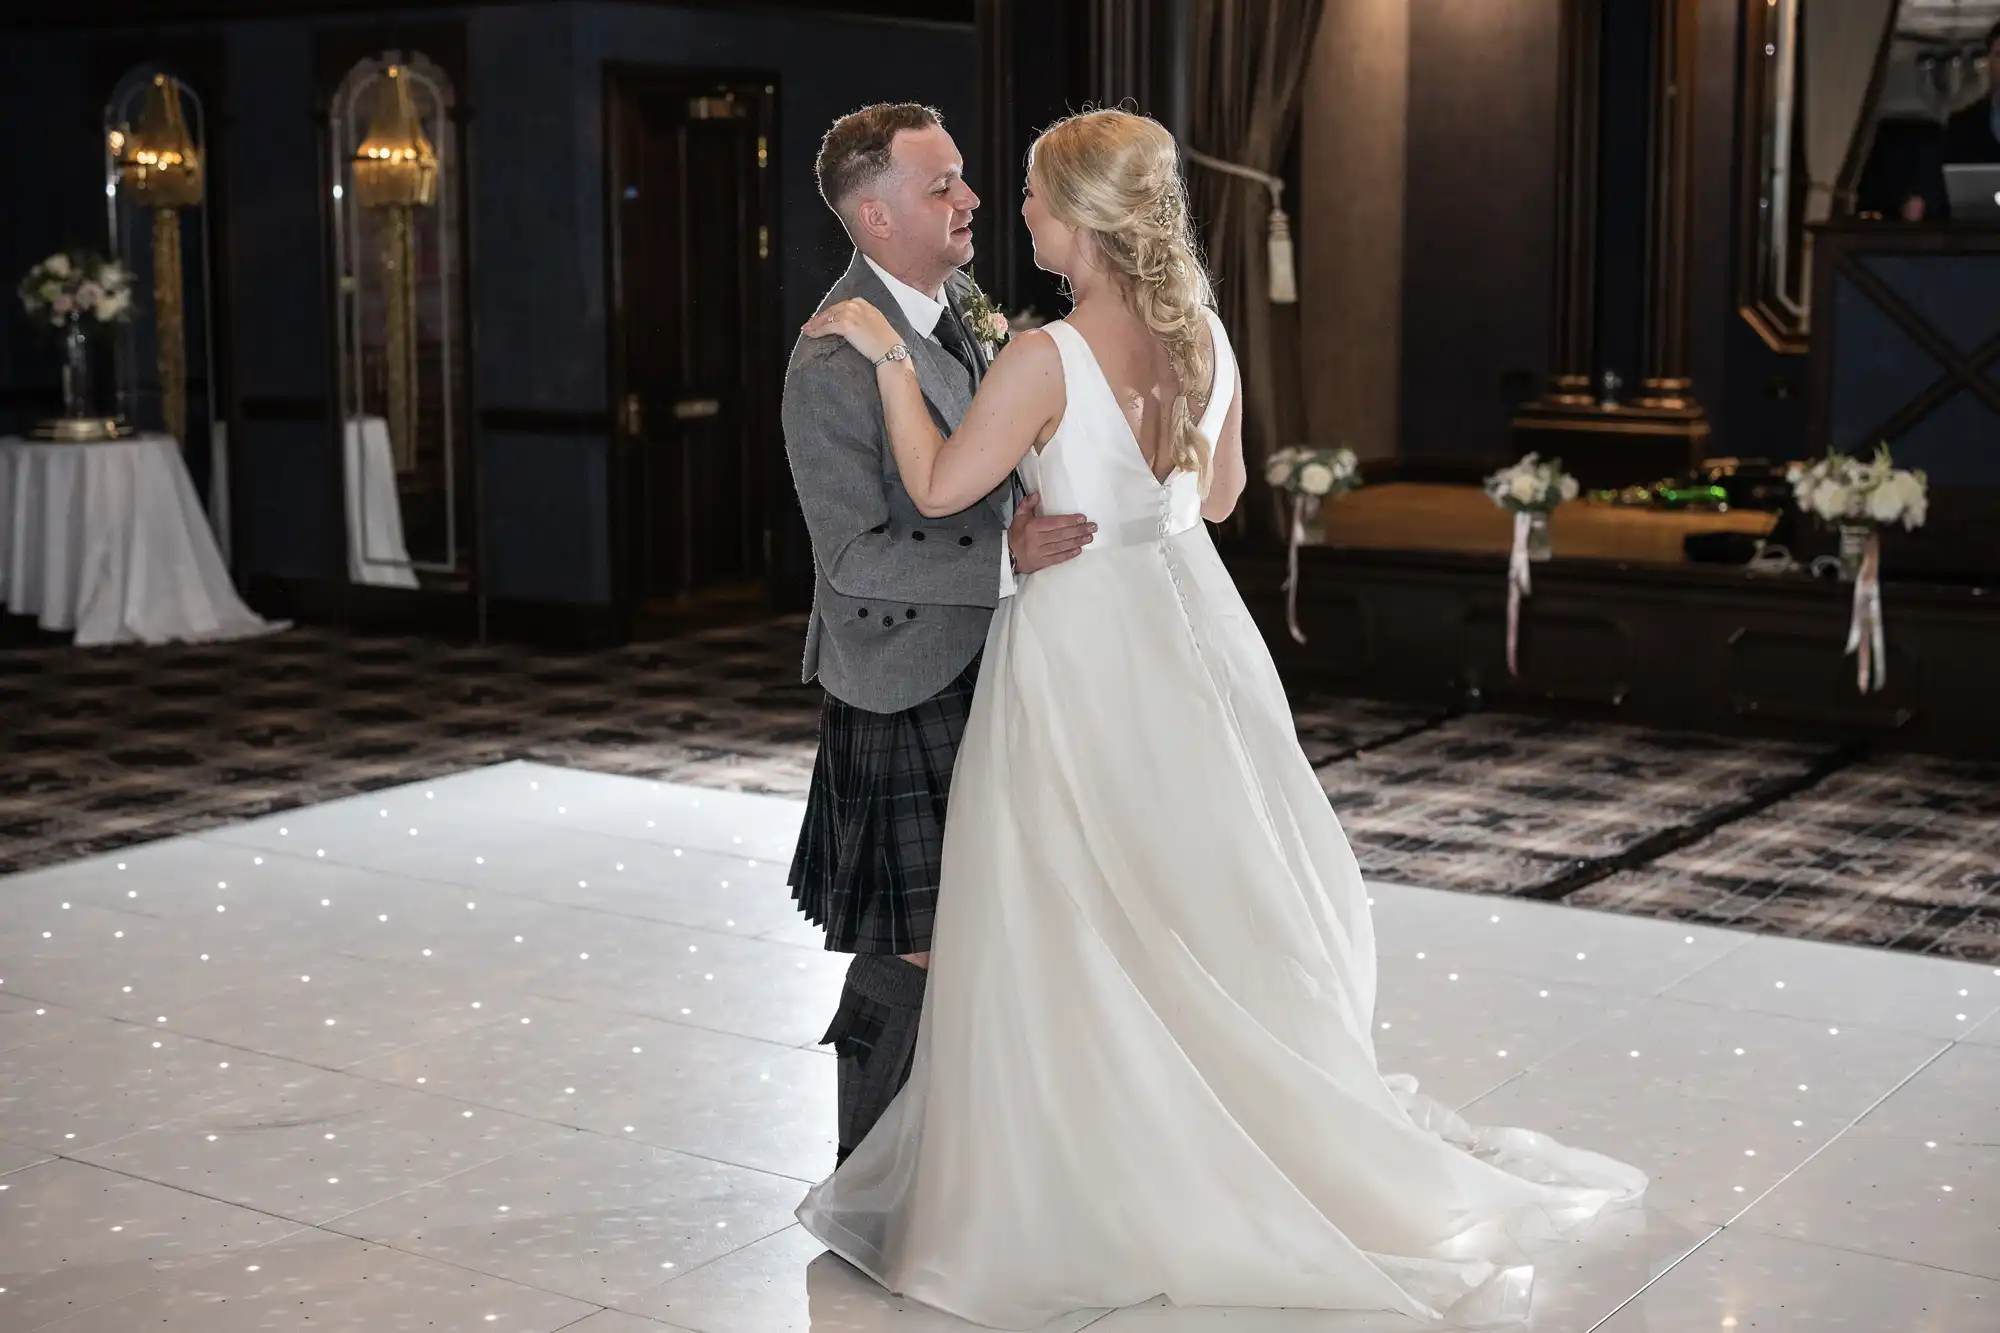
[(870, 849)]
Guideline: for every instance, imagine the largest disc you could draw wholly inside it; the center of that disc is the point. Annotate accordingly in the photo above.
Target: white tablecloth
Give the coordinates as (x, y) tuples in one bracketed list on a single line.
[(109, 540), (375, 550)]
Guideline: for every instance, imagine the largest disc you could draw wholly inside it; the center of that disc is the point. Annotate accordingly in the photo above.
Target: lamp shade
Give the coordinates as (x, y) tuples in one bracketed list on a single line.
[(157, 161), (395, 164)]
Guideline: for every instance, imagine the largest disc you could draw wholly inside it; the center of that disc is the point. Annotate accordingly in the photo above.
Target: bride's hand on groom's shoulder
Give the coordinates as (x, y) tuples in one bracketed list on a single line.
[(866, 329)]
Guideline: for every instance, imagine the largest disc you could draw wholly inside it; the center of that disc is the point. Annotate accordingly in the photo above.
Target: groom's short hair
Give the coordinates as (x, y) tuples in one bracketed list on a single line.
[(856, 149)]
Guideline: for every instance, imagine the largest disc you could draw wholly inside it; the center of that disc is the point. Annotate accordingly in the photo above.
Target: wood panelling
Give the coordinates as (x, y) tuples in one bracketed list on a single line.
[(1702, 648)]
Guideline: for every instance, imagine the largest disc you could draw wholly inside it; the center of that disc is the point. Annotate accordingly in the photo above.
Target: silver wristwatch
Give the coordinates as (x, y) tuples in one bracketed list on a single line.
[(896, 353)]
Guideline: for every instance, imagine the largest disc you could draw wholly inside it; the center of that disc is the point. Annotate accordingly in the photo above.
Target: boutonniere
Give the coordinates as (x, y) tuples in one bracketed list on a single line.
[(983, 319)]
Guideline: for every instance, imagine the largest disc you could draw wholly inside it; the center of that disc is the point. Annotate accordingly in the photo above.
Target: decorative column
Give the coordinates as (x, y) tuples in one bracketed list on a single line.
[(1612, 434), (1574, 321), (1666, 387)]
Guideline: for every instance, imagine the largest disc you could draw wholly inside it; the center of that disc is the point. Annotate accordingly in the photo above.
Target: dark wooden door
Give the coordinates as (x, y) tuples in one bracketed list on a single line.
[(695, 368)]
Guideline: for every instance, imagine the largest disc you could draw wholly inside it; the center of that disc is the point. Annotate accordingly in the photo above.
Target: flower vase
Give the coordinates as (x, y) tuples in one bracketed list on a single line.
[(79, 402), (1311, 510), (82, 418), (1541, 544), (1853, 549)]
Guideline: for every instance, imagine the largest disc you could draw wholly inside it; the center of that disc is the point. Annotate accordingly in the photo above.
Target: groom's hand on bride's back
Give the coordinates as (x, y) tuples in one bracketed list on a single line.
[(1039, 540)]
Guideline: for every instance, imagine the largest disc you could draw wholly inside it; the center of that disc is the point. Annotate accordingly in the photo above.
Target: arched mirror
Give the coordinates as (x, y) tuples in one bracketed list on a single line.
[(398, 255), (1847, 105), (1811, 81), (156, 203)]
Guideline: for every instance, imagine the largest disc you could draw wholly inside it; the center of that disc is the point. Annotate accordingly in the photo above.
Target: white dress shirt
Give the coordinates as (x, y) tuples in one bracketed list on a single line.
[(923, 312)]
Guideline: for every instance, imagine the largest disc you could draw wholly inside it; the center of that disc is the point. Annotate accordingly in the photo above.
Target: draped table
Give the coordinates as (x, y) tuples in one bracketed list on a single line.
[(109, 540)]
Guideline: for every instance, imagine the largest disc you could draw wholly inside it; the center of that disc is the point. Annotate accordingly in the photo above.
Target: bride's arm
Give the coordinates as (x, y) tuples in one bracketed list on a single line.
[(1225, 488), (1018, 405)]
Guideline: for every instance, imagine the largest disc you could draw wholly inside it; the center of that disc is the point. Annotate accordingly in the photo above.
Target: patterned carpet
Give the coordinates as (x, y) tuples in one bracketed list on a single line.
[(113, 747), (108, 748), (1902, 852), (1502, 804)]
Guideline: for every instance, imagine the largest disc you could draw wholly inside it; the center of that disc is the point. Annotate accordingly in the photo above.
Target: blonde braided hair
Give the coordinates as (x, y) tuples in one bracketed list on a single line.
[(1116, 178)]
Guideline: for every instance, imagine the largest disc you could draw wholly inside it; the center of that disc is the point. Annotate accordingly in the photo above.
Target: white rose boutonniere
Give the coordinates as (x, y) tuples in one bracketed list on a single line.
[(983, 319)]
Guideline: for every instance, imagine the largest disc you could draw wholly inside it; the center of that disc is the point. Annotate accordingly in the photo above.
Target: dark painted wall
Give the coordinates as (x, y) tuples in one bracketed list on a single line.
[(536, 146), (54, 198), (1480, 220)]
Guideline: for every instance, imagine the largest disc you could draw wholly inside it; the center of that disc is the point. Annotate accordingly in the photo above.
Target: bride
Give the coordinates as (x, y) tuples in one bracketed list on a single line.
[(1145, 1066)]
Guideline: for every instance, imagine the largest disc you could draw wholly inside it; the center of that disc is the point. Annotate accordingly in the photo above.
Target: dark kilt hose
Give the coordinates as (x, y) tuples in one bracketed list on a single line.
[(867, 870)]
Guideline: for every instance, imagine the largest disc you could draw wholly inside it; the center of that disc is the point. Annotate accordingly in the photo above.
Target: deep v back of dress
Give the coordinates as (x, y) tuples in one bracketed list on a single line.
[(1094, 465), (1146, 1064)]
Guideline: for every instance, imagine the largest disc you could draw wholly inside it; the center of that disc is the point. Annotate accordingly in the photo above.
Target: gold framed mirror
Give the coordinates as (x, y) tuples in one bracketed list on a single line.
[(157, 221), (1845, 106), (1813, 72), (398, 256)]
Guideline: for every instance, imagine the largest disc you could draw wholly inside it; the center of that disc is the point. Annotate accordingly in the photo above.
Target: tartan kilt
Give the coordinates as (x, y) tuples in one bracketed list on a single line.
[(872, 844)]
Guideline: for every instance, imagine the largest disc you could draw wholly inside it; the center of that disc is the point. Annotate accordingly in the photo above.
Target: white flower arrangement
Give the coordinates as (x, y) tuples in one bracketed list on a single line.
[(1316, 472), (1531, 486), (1844, 491), (75, 286), (984, 320)]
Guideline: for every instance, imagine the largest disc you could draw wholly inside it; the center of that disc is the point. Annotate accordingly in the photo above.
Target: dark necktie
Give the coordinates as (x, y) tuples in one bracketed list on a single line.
[(950, 331)]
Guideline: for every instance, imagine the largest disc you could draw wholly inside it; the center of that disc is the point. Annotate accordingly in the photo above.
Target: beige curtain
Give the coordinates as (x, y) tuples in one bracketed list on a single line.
[(1249, 66)]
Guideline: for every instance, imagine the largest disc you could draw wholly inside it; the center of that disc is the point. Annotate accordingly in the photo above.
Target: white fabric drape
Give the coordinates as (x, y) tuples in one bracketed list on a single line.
[(109, 540), (376, 552)]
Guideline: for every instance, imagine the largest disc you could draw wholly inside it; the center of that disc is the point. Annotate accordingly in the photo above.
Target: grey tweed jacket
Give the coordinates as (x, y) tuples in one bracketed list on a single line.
[(901, 603)]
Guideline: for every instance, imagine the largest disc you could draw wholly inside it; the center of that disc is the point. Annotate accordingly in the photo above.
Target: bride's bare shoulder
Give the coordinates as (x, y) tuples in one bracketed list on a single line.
[(1031, 351)]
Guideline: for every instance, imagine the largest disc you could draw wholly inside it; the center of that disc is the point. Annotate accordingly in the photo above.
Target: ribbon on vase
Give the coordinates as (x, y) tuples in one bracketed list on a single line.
[(1865, 639), (1518, 586), (1292, 566)]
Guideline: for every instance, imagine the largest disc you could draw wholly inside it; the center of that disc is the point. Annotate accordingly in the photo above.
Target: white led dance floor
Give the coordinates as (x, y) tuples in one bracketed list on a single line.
[(531, 1049)]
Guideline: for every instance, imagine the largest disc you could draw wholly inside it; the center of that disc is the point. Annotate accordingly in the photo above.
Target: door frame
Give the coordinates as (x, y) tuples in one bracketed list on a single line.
[(618, 76)]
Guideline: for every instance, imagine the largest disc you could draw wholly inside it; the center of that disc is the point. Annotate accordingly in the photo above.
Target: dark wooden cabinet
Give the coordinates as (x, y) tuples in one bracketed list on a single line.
[(1675, 646)]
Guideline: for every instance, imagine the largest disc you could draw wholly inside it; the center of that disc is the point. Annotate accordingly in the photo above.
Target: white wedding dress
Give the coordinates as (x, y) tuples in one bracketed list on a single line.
[(1145, 1066)]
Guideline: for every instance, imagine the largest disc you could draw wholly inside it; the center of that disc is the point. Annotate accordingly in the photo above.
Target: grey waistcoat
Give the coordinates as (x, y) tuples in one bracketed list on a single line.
[(901, 603)]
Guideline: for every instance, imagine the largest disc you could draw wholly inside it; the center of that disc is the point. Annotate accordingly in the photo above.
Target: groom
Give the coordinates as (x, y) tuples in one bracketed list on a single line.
[(900, 602)]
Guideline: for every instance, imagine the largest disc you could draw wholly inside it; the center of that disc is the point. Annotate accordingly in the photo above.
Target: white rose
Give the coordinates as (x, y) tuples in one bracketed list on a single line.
[(114, 305), (1316, 479), (57, 264), (1569, 488), (1885, 503), (1278, 470), (1911, 502), (1524, 489), (1830, 499)]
